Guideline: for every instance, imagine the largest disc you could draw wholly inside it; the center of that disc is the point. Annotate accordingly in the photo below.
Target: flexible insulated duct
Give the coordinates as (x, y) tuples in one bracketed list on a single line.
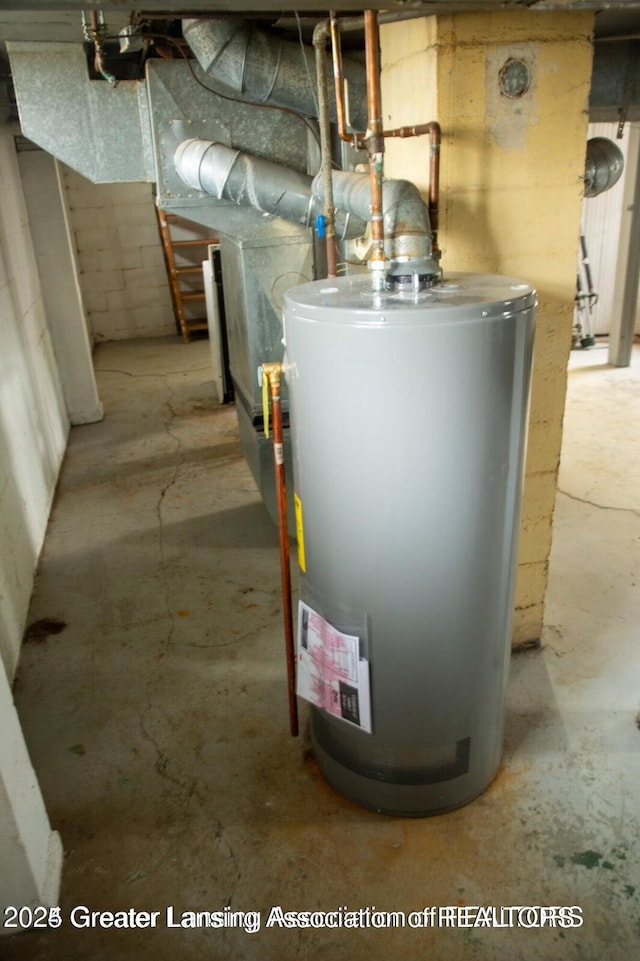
[(229, 174), (265, 68)]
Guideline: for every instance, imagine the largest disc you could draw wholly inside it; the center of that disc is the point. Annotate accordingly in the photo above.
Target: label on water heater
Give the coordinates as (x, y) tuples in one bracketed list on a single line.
[(331, 673)]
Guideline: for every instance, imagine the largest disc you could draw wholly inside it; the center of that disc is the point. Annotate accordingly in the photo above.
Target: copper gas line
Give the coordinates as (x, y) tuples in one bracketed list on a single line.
[(320, 37), (272, 374)]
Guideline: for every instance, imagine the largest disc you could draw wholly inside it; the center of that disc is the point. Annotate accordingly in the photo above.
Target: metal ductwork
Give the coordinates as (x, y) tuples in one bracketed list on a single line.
[(229, 174), (615, 82), (603, 167), (407, 229), (263, 67)]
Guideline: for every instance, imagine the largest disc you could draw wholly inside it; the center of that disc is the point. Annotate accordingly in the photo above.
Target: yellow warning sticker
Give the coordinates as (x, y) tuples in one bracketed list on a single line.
[(265, 402), (297, 503)]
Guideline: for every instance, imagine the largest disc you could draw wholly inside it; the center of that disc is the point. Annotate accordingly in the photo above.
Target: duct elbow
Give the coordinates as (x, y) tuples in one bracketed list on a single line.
[(232, 175), (264, 68), (220, 45), (205, 165), (407, 229)]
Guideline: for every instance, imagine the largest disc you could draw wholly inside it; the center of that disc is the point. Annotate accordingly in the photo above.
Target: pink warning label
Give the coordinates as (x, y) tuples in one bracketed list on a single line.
[(331, 674)]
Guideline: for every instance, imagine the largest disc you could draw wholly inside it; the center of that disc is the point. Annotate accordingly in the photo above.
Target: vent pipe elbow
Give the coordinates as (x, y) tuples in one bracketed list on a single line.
[(229, 174), (264, 68), (407, 229)]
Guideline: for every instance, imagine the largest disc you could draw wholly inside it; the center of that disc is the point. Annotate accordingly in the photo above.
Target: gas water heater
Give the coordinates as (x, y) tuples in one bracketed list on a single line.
[(408, 414)]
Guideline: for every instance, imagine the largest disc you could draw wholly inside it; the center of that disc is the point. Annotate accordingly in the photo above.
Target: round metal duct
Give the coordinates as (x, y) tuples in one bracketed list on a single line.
[(604, 166)]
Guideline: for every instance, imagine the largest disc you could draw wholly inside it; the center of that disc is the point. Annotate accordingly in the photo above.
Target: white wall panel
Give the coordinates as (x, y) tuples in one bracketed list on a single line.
[(601, 223)]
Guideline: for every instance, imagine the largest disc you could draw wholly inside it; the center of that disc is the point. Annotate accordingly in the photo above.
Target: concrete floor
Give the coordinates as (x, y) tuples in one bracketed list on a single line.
[(157, 718)]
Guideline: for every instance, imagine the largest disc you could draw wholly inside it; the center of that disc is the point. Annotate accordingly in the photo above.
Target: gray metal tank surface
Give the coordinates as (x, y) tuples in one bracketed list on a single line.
[(408, 422)]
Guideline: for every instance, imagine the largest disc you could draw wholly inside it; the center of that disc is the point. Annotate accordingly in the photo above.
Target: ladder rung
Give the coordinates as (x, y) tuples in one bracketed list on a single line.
[(180, 297)]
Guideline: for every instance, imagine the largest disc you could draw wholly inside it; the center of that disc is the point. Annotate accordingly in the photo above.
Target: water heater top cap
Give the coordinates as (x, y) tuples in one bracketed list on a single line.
[(352, 300)]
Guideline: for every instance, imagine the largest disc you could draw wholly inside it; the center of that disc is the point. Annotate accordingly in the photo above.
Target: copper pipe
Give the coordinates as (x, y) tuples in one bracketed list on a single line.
[(374, 136), (320, 37), (95, 31), (370, 138), (435, 139), (372, 59), (273, 374), (341, 111)]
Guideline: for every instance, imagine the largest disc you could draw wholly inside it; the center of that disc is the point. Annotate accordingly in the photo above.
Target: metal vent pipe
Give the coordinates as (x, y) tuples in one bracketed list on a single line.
[(407, 230), (603, 166), (230, 174), (265, 68)]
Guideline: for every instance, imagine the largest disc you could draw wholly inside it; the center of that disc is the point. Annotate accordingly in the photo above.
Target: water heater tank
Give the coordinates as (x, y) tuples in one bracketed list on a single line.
[(408, 423)]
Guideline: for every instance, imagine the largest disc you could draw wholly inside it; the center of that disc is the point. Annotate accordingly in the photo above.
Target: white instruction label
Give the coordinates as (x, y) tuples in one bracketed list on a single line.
[(331, 674)]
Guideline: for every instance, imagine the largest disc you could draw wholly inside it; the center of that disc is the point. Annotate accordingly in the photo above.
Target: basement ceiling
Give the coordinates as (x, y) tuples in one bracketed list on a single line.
[(622, 9), (59, 20), (260, 6)]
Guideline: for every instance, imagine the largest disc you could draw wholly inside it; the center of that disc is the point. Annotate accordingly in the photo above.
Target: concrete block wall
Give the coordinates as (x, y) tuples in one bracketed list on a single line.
[(57, 268), (33, 418), (122, 272), (33, 433), (511, 179)]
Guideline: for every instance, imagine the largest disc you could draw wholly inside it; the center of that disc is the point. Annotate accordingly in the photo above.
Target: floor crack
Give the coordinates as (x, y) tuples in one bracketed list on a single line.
[(189, 791), (600, 507), (162, 761), (163, 493)]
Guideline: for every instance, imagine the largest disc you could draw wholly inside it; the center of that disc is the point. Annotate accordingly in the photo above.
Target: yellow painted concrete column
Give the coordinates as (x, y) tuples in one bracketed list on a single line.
[(511, 180)]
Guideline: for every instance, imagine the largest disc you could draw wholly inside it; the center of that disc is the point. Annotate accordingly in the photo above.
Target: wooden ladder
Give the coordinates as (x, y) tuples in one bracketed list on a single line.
[(179, 272)]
